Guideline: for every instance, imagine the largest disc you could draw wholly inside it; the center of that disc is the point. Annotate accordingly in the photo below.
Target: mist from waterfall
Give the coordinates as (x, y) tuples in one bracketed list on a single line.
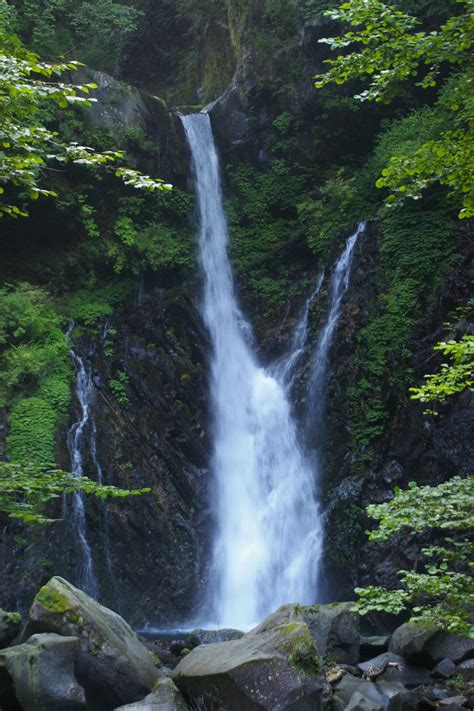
[(268, 537)]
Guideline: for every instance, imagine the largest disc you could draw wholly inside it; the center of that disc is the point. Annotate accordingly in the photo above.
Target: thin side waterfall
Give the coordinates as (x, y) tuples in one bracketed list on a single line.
[(86, 578), (268, 537), (317, 387), (284, 369)]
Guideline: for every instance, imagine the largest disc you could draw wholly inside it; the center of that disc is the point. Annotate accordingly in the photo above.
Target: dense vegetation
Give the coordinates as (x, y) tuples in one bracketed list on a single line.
[(386, 136)]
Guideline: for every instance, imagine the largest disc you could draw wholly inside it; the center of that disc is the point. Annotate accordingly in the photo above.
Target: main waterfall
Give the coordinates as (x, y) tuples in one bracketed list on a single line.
[(268, 538)]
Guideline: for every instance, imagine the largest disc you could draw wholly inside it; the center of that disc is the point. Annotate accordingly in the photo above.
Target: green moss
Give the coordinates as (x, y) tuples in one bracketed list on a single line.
[(52, 600), (418, 249), (12, 618), (304, 656)]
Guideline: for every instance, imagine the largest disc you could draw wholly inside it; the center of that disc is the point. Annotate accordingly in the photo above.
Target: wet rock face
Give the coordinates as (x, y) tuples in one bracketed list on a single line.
[(149, 552)]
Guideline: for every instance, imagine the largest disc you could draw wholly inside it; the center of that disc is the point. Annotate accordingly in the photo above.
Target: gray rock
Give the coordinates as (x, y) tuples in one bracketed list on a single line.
[(371, 646), (39, 675), (198, 637), (453, 701), (466, 670), (113, 666), (444, 670), (410, 640), (274, 669), (425, 645), (335, 628), (409, 674), (452, 646), (359, 702), (9, 627), (349, 685), (164, 697), (398, 697)]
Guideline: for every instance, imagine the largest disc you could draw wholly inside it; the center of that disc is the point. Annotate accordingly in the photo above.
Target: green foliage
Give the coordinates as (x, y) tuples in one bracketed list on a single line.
[(454, 377), (391, 49), (118, 386), (448, 505), (25, 489), (53, 27), (35, 371), (339, 205), (417, 250), (441, 595), (89, 306), (27, 86)]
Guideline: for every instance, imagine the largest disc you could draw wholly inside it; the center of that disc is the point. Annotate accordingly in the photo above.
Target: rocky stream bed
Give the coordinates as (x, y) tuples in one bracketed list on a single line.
[(71, 653)]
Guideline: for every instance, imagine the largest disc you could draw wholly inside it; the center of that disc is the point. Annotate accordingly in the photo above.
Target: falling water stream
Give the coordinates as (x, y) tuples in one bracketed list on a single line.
[(85, 578), (268, 540)]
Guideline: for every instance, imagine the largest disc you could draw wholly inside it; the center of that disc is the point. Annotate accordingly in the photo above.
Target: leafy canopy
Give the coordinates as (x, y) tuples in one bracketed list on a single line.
[(390, 49), (27, 146), (441, 595), (25, 489)]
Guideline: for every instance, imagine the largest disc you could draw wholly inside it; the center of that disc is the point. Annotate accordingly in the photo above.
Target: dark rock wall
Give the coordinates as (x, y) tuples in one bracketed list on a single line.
[(157, 438)]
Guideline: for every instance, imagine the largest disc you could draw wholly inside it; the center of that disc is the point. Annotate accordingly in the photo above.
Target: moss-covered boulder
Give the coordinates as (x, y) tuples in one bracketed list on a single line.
[(334, 628), (39, 675), (9, 627), (164, 697), (113, 666), (276, 669)]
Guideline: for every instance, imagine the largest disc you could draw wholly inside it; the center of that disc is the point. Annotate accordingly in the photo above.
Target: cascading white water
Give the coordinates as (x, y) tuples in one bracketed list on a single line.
[(86, 578), (269, 535), (284, 369), (317, 386)]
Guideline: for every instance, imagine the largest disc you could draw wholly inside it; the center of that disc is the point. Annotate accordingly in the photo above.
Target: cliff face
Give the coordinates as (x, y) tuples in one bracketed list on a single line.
[(282, 144), (149, 552)]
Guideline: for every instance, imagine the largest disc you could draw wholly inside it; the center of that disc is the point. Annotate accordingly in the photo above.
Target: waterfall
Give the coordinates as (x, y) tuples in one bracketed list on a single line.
[(317, 387), (285, 368), (268, 537), (86, 578)]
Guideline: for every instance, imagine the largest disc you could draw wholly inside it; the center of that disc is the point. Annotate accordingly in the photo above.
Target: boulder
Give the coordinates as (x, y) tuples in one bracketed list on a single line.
[(335, 628), (39, 675), (275, 669), (113, 666), (164, 697), (466, 670), (410, 640), (407, 674), (9, 627), (359, 702), (350, 685), (451, 646), (398, 697), (444, 670), (426, 645)]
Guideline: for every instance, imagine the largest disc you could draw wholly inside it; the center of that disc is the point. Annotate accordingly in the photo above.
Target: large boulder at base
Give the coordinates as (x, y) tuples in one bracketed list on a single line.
[(164, 697), (359, 702), (9, 627), (276, 669), (113, 666), (335, 628), (426, 645), (39, 675)]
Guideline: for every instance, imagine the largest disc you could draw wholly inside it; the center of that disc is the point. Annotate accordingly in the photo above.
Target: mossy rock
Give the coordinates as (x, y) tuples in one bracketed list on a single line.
[(113, 666), (275, 669)]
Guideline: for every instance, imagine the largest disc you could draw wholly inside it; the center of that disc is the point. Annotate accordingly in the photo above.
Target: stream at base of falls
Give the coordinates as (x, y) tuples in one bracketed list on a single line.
[(268, 537)]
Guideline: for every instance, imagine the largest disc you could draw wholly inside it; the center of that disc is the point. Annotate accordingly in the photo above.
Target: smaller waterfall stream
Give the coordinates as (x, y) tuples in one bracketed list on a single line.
[(86, 578), (317, 387)]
